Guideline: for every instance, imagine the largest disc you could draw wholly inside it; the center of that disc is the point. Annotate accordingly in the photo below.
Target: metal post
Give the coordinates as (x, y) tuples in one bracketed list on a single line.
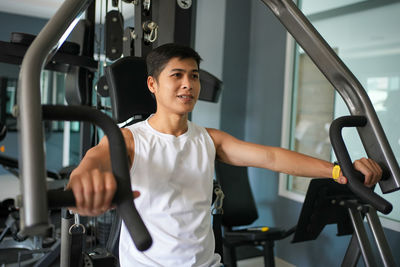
[(361, 234), (352, 253), (379, 237), (31, 156), (67, 220)]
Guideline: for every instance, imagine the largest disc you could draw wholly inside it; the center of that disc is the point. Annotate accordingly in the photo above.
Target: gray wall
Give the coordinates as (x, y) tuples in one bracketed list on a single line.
[(210, 45), (251, 108), (16, 23)]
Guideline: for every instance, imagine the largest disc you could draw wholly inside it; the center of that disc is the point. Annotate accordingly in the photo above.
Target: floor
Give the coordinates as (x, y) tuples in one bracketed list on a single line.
[(259, 262)]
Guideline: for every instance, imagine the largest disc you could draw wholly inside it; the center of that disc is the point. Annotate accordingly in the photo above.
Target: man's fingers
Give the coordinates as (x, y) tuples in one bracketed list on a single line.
[(370, 169), (77, 190), (110, 188), (88, 192), (136, 194), (377, 170), (342, 180), (98, 195)]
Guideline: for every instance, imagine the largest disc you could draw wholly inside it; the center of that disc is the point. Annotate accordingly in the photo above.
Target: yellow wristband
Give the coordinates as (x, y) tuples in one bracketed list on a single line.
[(336, 172)]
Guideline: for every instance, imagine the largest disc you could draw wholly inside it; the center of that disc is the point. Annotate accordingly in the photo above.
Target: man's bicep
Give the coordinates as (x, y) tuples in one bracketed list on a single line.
[(130, 144), (237, 152)]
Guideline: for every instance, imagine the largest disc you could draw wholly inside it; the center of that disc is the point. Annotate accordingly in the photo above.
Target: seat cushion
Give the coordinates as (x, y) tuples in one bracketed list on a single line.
[(250, 236)]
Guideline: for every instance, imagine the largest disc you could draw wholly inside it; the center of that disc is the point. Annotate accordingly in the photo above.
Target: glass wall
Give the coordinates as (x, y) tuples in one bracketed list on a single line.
[(52, 92), (365, 36)]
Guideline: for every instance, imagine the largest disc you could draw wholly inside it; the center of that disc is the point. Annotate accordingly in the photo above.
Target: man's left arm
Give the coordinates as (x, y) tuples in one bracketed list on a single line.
[(240, 153)]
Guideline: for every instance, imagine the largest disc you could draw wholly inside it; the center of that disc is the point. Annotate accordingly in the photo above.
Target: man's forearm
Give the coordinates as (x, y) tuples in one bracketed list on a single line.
[(298, 164)]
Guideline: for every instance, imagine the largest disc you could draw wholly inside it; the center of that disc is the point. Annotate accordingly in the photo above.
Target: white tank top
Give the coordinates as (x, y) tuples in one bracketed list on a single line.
[(175, 178)]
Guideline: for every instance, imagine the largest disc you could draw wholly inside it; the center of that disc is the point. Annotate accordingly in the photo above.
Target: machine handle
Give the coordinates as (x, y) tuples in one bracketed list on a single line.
[(346, 84), (119, 162), (355, 178)]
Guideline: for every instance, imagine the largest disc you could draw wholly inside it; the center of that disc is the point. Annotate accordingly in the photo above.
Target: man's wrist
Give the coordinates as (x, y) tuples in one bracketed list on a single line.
[(336, 171)]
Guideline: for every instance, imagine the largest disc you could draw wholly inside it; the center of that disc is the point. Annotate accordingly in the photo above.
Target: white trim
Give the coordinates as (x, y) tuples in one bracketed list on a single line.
[(287, 91), (390, 223), (283, 192), (66, 141), (286, 113)]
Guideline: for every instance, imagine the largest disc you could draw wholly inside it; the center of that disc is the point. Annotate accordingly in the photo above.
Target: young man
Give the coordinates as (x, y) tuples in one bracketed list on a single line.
[(172, 166)]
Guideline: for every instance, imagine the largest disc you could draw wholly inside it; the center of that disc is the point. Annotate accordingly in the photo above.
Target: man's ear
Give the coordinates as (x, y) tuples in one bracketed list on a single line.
[(151, 84)]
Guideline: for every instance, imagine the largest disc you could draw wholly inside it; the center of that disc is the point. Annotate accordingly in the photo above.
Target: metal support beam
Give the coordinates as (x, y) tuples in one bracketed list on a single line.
[(352, 253), (379, 237), (362, 238), (34, 210)]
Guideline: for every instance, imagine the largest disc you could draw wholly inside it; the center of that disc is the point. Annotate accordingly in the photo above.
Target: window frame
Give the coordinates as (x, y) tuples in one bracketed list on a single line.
[(286, 130)]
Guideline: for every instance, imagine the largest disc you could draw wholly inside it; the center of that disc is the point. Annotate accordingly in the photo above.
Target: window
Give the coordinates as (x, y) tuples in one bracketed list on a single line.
[(364, 35)]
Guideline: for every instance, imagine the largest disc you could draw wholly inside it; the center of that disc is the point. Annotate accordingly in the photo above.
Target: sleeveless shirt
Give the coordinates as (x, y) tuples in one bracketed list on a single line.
[(175, 178)]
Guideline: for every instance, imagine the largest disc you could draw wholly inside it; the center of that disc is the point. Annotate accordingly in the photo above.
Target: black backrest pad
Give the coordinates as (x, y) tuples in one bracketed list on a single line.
[(239, 205), (127, 81)]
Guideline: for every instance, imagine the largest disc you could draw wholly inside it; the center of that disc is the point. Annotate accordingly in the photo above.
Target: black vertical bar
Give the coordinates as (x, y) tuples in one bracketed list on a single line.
[(3, 100), (183, 25), (90, 17), (141, 48), (88, 50), (362, 238), (379, 237), (353, 253)]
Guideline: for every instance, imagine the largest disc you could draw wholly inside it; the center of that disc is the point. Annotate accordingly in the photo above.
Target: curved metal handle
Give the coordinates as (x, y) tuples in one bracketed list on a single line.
[(34, 218), (355, 178), (123, 197)]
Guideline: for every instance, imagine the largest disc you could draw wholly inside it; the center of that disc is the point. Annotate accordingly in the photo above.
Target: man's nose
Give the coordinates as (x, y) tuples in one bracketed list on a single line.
[(187, 82)]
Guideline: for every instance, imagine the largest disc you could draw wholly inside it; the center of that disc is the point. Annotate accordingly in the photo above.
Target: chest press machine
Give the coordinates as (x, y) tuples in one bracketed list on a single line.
[(359, 201), (35, 200)]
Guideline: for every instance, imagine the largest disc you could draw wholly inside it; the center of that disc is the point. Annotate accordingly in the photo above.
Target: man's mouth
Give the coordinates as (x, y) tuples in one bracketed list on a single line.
[(185, 96)]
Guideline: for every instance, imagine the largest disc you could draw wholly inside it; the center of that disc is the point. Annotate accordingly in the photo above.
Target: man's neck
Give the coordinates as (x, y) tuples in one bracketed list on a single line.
[(169, 124)]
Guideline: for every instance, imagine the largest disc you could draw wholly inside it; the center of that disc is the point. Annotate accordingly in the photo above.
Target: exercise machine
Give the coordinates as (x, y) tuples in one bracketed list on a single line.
[(330, 203), (364, 202), (30, 116)]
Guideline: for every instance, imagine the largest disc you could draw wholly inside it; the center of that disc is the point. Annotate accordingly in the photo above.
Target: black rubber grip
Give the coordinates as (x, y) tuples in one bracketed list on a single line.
[(59, 198), (355, 178), (120, 167)]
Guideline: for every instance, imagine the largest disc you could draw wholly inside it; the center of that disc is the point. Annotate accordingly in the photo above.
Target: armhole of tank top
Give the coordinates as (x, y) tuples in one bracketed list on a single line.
[(209, 139), (135, 158)]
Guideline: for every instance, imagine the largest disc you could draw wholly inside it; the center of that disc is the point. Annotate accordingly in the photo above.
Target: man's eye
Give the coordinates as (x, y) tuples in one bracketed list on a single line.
[(195, 76), (176, 74)]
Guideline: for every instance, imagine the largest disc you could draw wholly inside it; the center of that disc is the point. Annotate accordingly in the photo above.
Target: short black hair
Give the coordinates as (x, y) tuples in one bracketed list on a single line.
[(158, 58)]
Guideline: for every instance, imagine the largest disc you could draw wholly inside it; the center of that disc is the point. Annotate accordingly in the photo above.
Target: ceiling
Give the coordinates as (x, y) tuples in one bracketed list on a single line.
[(34, 8), (374, 27), (47, 8)]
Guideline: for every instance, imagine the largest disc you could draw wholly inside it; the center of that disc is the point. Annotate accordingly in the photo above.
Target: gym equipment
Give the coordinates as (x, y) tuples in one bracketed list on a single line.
[(328, 202), (13, 53), (371, 133), (347, 85), (175, 17), (127, 83), (3, 131), (35, 199), (113, 34), (242, 212)]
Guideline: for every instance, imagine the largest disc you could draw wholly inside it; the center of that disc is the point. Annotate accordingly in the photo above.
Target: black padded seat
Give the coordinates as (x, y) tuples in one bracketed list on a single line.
[(240, 211), (127, 81)]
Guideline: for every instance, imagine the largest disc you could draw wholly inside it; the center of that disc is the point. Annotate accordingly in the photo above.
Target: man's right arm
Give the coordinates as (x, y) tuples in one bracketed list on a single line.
[(93, 182)]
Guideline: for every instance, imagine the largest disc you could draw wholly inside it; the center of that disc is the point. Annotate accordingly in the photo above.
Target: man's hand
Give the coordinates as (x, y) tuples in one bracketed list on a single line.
[(371, 170), (93, 191)]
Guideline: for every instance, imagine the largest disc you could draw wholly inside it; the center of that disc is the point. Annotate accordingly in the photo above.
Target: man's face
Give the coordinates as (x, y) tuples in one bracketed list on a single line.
[(178, 86)]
